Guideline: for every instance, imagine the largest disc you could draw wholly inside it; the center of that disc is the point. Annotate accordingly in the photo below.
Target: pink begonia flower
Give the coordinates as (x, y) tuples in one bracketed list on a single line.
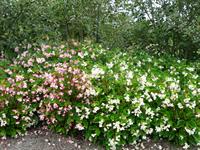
[(53, 120), (42, 117), (16, 49), (19, 78), (69, 92), (73, 52), (81, 54), (55, 106), (67, 55), (60, 70), (30, 62), (44, 47), (11, 80), (24, 85), (61, 93), (79, 95), (59, 112)]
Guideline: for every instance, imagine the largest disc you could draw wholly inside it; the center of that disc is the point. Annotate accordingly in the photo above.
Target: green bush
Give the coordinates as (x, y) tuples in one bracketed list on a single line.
[(110, 97)]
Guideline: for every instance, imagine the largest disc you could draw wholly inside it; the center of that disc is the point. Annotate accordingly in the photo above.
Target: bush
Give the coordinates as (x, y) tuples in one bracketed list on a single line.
[(140, 96), (42, 86), (110, 97)]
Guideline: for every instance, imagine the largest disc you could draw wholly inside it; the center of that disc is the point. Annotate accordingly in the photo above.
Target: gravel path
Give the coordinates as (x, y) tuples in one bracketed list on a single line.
[(43, 139)]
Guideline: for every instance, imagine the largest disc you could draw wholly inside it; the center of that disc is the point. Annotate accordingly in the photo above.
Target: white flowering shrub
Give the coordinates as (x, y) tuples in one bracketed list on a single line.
[(110, 97), (140, 96)]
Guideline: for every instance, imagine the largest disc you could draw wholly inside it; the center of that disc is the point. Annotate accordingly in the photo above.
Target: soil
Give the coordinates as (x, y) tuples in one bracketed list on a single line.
[(43, 139)]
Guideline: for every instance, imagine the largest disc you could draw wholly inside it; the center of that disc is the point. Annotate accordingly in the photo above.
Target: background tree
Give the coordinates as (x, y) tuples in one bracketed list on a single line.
[(161, 26)]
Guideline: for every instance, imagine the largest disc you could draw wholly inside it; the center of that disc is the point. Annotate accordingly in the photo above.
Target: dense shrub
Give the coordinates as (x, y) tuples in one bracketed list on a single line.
[(112, 98), (142, 96), (42, 84)]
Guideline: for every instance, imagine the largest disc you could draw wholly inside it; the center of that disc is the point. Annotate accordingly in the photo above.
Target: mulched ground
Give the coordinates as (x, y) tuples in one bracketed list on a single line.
[(43, 139)]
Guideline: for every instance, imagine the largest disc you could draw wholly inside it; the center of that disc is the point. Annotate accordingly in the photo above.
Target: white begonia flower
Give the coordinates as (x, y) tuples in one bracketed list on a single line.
[(93, 56), (150, 112), (19, 99), (116, 125), (139, 63), (95, 109), (158, 129), (84, 64), (174, 86), (174, 96), (97, 72), (101, 123), (169, 79), (29, 70), (110, 65), (110, 107), (190, 131), (79, 127), (40, 60), (137, 112), (16, 117), (123, 66), (191, 86), (186, 146), (180, 106), (143, 126), (149, 131), (129, 75), (127, 98), (194, 92), (191, 105), (93, 135), (129, 82), (2, 122), (190, 69), (143, 79), (149, 60), (116, 76), (112, 144), (86, 53), (78, 110), (198, 115), (114, 101), (187, 100), (130, 122), (4, 115)]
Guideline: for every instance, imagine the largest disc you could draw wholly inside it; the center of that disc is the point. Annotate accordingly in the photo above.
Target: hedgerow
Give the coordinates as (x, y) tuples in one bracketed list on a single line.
[(110, 97)]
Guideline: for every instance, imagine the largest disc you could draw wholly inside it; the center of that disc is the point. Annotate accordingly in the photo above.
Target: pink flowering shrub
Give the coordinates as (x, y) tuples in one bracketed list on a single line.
[(42, 86)]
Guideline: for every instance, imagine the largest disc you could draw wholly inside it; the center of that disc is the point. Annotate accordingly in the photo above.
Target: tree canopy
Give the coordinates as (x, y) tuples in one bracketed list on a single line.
[(170, 26)]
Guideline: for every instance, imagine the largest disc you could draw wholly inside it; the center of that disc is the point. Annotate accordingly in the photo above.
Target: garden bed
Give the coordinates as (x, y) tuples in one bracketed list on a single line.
[(112, 98)]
